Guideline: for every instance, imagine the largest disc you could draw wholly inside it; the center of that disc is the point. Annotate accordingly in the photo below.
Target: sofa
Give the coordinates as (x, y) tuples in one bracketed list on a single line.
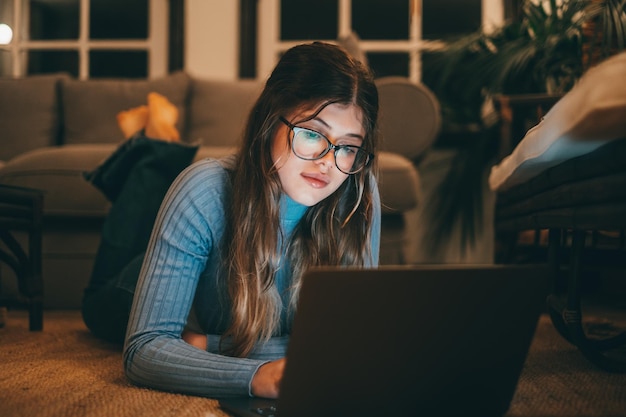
[(55, 128)]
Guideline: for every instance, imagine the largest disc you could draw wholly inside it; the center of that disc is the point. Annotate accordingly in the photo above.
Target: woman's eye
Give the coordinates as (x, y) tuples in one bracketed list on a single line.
[(311, 135), (348, 150)]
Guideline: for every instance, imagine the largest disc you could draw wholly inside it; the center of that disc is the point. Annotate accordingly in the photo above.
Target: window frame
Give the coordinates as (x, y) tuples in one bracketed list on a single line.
[(270, 46), (156, 44)]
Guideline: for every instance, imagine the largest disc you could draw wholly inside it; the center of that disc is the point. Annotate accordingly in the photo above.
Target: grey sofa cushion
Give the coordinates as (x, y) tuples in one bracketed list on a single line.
[(29, 116), (398, 182), (90, 107), (58, 171), (215, 152), (218, 110)]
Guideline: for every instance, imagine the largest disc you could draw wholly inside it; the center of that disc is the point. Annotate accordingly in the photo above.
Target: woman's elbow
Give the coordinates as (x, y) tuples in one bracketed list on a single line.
[(129, 357)]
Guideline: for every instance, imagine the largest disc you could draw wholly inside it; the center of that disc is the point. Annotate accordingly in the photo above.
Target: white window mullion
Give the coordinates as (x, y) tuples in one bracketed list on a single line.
[(415, 37), (345, 18), (83, 41), (158, 35), (17, 66)]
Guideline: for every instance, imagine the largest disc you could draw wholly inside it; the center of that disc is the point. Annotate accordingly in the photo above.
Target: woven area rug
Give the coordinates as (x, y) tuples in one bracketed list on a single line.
[(63, 371)]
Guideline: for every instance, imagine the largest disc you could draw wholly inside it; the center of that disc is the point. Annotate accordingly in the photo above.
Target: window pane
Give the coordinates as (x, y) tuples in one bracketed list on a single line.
[(389, 63), (381, 19), (118, 19), (53, 19), (308, 20), (118, 64), (49, 61), (444, 18), (429, 74)]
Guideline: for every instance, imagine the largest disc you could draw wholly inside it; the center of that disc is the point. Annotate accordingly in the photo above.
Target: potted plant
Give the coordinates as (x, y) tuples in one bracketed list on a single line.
[(544, 51)]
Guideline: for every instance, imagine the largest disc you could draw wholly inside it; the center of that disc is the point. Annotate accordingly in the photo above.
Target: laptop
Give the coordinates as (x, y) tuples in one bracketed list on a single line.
[(429, 340)]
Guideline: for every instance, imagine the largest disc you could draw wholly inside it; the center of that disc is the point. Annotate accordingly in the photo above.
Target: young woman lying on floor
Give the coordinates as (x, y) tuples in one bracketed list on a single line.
[(207, 308)]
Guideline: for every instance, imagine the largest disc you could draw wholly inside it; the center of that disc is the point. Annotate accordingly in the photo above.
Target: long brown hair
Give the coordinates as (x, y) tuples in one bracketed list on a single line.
[(335, 231)]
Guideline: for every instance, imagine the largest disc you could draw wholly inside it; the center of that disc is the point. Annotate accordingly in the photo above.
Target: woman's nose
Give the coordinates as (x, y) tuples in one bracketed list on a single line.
[(327, 160)]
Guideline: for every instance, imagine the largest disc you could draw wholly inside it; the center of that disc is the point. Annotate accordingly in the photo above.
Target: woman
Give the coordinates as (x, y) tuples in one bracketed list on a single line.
[(219, 282)]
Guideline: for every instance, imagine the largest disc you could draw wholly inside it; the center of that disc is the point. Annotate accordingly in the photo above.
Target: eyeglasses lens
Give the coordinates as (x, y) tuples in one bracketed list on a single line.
[(310, 145)]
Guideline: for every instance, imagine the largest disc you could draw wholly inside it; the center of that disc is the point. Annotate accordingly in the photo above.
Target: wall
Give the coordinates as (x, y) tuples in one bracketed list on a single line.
[(212, 38)]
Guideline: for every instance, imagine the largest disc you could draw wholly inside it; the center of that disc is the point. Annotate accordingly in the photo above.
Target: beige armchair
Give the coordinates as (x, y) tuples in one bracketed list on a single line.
[(410, 121)]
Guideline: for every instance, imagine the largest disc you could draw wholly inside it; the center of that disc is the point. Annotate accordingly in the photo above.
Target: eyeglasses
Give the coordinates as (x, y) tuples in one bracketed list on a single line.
[(311, 145)]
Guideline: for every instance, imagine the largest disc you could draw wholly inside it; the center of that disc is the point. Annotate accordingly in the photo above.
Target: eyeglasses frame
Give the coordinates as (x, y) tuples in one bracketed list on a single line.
[(331, 146)]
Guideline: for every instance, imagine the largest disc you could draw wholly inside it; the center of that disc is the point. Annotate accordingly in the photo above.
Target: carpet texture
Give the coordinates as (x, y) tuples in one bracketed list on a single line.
[(64, 371)]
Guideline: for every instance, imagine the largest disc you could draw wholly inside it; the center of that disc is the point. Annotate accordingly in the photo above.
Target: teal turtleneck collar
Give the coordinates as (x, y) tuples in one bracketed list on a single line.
[(291, 211)]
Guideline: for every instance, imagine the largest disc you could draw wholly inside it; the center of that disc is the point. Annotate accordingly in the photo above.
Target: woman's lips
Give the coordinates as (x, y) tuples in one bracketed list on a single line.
[(316, 180)]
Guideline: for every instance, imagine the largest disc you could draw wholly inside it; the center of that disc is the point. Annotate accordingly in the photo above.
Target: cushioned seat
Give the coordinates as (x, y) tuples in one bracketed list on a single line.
[(399, 183), (409, 121), (568, 176), (571, 194), (55, 170), (58, 169)]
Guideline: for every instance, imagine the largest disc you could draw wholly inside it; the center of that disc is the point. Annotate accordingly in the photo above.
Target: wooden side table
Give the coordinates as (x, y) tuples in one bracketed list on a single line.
[(21, 209)]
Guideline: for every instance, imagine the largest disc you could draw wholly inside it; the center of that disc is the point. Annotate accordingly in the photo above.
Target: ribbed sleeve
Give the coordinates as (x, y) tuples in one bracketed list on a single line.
[(185, 235)]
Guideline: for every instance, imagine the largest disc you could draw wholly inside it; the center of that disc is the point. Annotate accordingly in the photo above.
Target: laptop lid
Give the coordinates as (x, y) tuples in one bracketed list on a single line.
[(437, 340)]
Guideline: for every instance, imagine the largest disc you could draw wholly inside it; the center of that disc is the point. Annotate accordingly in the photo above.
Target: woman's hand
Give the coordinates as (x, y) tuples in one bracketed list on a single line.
[(195, 339), (266, 381)]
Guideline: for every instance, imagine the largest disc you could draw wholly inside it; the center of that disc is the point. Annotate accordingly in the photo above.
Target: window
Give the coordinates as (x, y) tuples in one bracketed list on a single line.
[(392, 33), (85, 38)]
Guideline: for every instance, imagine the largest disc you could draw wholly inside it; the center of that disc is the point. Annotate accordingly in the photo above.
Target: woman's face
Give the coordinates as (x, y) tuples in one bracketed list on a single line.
[(309, 182)]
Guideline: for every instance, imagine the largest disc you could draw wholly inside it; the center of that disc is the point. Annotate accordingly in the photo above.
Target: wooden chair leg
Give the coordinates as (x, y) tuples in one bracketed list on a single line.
[(555, 300), (27, 268), (567, 318), (35, 280)]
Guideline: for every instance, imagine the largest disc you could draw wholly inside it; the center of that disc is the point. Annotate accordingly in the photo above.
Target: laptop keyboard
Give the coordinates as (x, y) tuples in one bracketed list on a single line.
[(265, 411)]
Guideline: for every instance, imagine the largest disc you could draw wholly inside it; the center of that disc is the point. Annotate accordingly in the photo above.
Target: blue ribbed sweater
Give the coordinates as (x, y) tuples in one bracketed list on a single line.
[(180, 269)]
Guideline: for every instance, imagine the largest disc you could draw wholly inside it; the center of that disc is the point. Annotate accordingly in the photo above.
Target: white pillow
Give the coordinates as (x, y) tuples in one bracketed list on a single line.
[(587, 117)]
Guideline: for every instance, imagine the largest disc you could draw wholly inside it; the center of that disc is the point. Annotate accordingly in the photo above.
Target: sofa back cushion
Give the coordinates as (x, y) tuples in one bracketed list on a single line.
[(218, 110), (90, 107), (30, 113)]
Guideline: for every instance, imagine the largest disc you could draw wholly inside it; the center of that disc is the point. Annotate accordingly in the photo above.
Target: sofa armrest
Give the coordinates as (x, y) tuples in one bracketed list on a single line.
[(410, 116)]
